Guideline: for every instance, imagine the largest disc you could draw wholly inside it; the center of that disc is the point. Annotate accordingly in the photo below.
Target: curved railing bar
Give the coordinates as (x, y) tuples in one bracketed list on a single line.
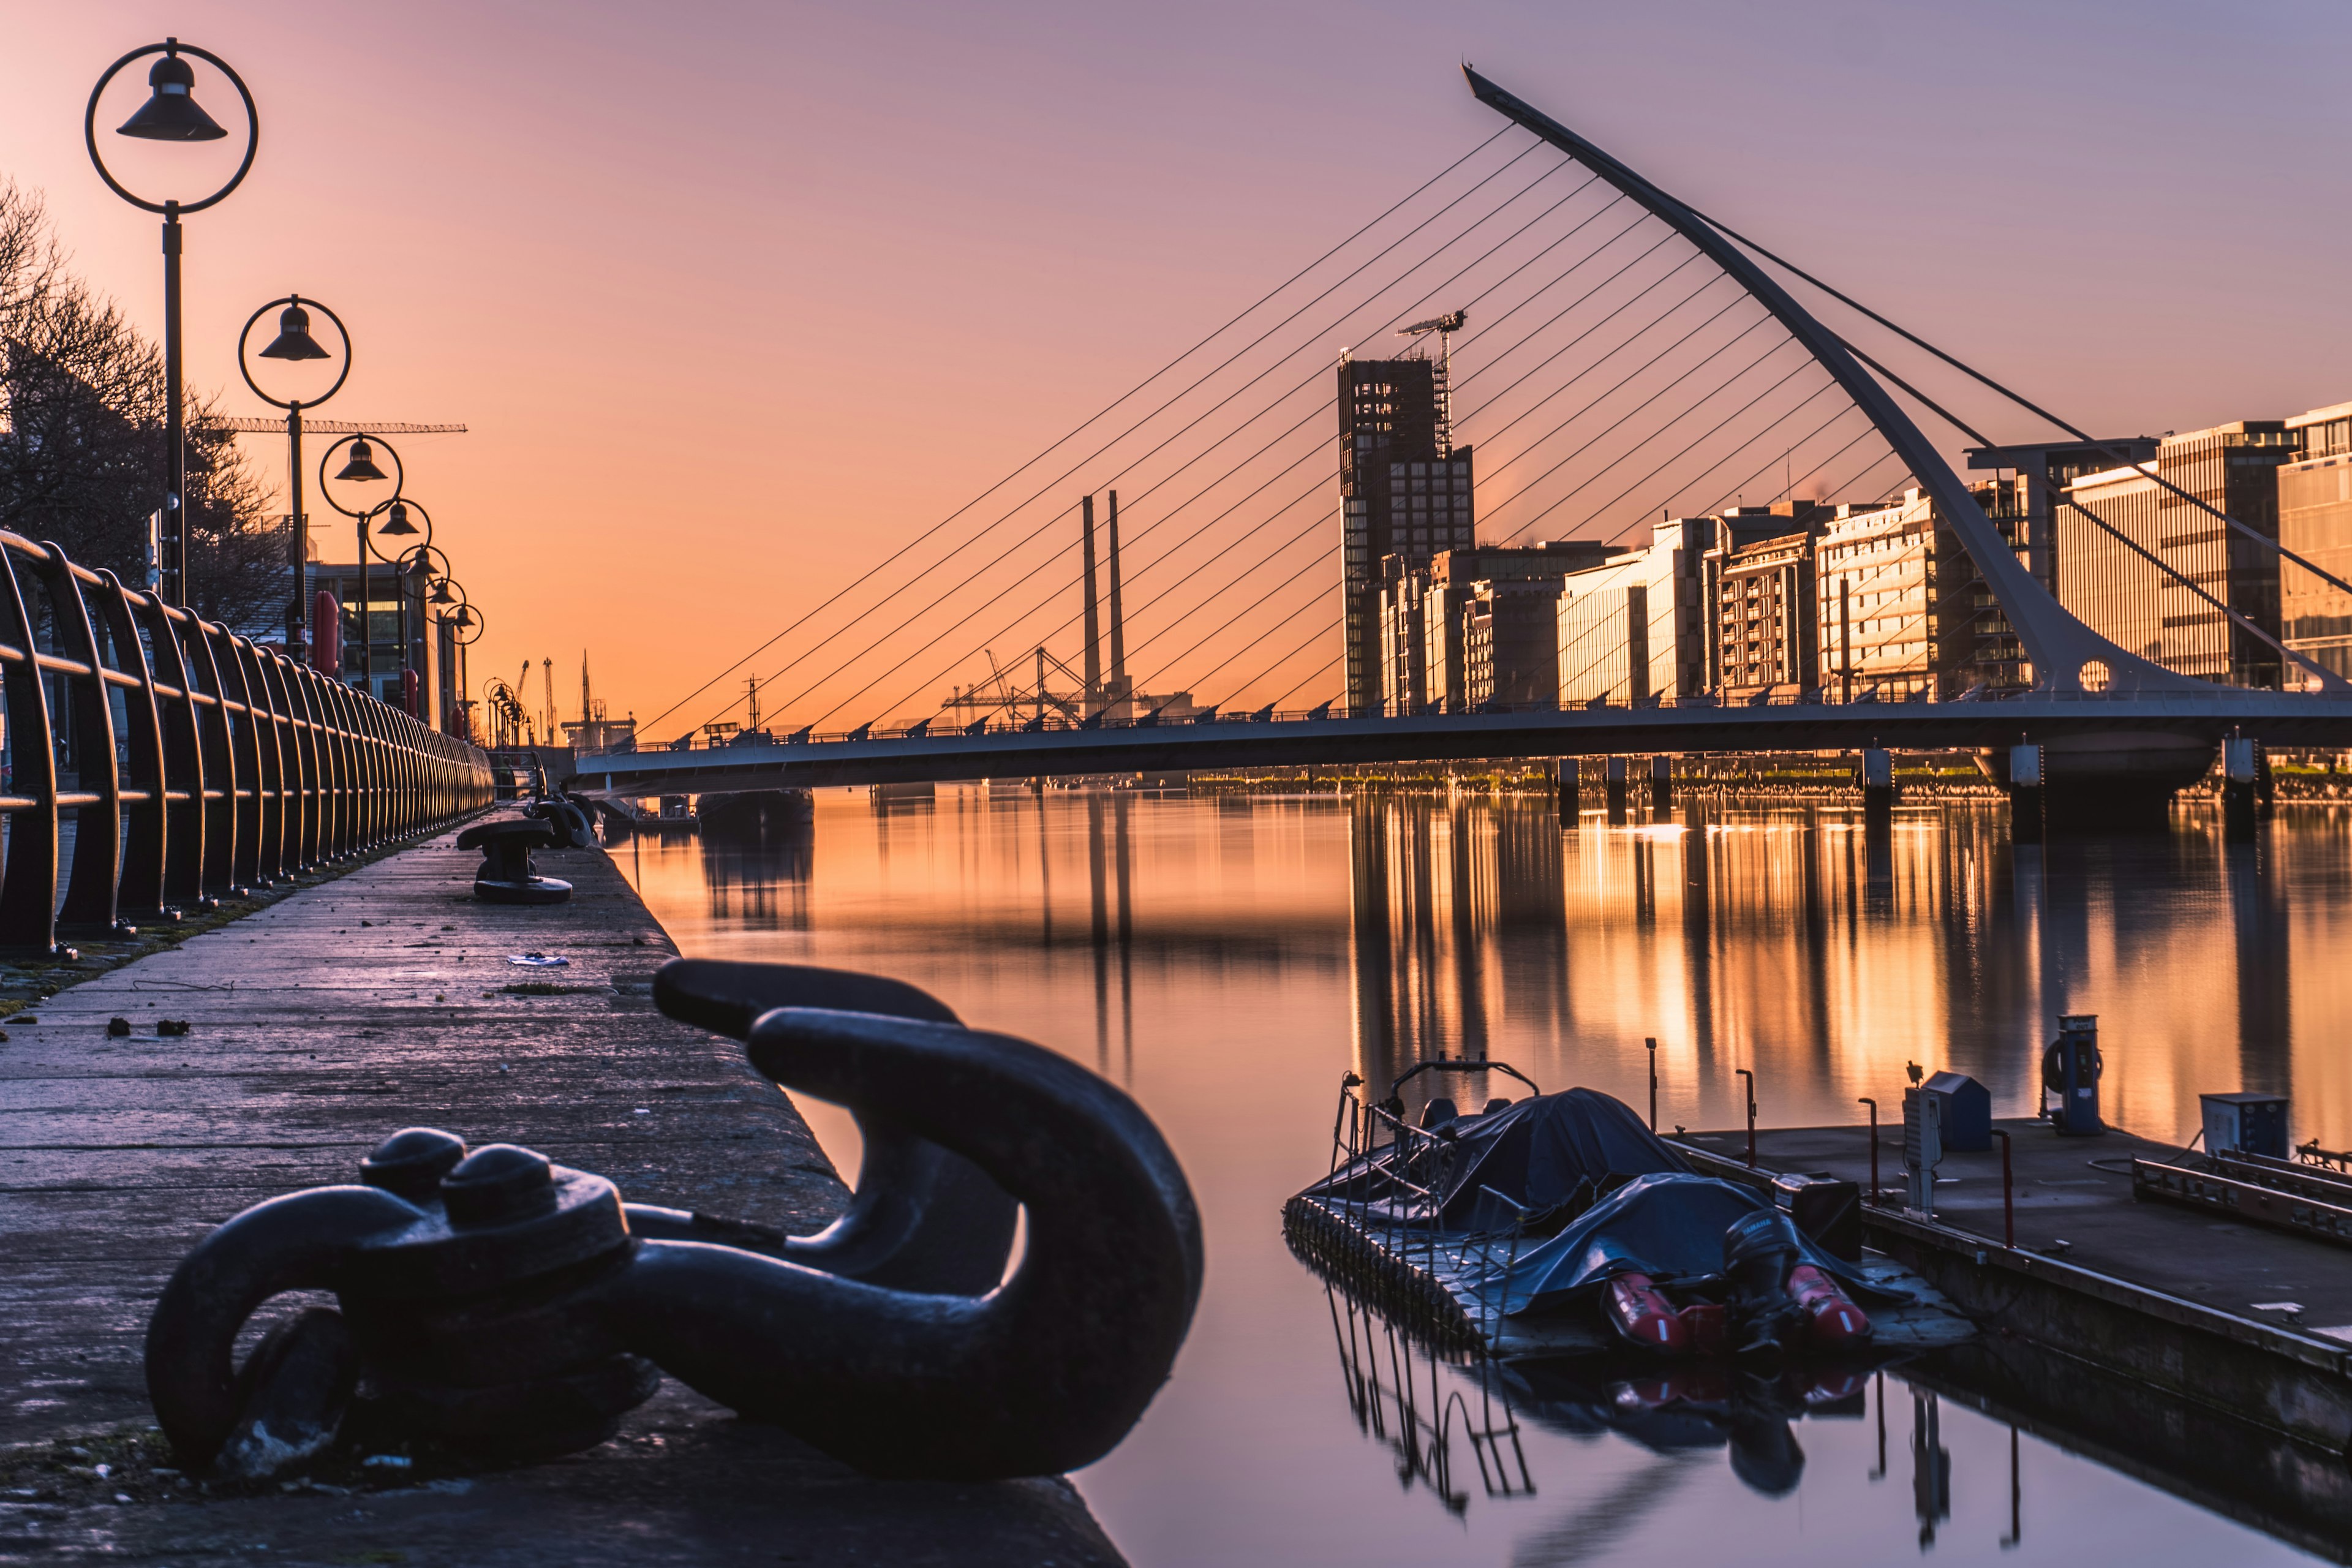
[(2058, 644), (229, 766)]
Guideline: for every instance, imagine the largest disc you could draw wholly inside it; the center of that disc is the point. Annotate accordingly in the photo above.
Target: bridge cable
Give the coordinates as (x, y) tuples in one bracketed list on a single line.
[(2079, 433), (1662, 429), (2128, 542), (1228, 397), (1106, 409), (1621, 419), (1293, 391), (1703, 436)]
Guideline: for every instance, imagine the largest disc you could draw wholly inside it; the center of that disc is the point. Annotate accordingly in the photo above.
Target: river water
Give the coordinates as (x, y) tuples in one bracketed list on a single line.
[(1226, 959)]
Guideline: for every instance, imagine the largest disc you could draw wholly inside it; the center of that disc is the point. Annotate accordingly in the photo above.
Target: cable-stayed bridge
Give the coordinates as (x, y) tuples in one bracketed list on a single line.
[(1625, 358)]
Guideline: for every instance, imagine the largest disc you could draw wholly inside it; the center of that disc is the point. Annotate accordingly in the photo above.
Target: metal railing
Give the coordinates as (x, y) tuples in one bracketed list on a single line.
[(1378, 1225), (195, 764)]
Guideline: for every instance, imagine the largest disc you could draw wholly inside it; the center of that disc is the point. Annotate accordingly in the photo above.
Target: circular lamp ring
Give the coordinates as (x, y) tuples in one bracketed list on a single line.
[(420, 556), (399, 473), (246, 371), (463, 641), (252, 138), (416, 508)]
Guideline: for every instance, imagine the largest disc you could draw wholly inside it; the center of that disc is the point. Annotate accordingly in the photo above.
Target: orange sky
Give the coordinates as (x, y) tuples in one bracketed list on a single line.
[(735, 299)]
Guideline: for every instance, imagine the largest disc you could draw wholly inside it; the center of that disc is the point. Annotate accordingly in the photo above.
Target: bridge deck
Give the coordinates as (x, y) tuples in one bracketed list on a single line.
[(2284, 719), (353, 1008)]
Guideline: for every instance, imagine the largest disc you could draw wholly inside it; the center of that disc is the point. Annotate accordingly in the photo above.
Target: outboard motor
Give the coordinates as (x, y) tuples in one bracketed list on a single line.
[(2070, 1070), (1759, 1251)]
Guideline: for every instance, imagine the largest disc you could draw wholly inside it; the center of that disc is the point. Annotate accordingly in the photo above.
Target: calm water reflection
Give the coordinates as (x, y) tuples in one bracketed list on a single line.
[(1226, 959)]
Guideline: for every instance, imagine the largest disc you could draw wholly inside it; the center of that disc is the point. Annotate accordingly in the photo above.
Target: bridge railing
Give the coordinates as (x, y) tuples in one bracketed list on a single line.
[(194, 763), (1814, 700)]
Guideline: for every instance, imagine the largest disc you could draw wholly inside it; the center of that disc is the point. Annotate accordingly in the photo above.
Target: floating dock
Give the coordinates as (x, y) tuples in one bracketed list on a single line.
[(2219, 1293)]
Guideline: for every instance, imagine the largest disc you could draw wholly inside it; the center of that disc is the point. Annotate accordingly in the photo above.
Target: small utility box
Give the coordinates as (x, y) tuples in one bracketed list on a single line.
[(2245, 1124), (1824, 1208), (1966, 1112)]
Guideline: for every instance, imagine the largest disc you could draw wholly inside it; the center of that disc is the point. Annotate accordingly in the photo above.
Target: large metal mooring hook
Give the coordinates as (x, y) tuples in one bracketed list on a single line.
[(512, 1307)]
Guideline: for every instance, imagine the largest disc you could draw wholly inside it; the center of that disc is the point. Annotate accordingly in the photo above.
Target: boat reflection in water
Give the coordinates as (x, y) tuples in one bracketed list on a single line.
[(1461, 1427)]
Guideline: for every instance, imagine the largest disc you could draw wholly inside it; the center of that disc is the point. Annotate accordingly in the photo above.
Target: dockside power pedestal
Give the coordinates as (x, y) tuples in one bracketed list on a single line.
[(1923, 1148), (2070, 1071)]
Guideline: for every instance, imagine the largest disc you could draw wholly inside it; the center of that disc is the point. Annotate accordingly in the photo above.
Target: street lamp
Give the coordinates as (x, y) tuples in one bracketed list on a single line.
[(397, 514), (466, 630), (171, 114), (294, 343), (360, 467)]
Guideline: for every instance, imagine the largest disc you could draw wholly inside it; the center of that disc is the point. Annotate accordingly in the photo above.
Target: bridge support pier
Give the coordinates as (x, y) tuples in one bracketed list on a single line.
[(2025, 794), (1877, 787), (1570, 777), (1662, 788), (2241, 761), (1615, 787)]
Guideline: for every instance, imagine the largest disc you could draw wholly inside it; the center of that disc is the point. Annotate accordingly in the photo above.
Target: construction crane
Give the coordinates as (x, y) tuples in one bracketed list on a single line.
[(247, 425), (1444, 326)]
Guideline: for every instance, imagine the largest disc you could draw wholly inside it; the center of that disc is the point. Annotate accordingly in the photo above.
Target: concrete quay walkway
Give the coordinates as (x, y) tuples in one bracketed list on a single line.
[(380, 999)]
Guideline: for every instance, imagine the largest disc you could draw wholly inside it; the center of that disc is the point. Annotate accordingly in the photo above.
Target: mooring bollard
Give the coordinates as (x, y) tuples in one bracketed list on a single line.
[(507, 875), (507, 1307), (1652, 1042)]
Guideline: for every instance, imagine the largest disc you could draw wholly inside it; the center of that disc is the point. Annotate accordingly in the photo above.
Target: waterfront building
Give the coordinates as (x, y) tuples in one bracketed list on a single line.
[(1901, 611), (1510, 643), (2040, 472), (1422, 611), (2315, 520), (1630, 630), (2123, 595), (1405, 491), (1756, 587)]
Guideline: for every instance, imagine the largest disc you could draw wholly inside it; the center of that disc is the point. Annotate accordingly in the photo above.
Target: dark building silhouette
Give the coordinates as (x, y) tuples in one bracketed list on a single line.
[(1404, 490)]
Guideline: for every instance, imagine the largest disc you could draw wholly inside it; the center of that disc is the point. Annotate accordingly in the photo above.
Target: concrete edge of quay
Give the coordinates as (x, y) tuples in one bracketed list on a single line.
[(322, 1015)]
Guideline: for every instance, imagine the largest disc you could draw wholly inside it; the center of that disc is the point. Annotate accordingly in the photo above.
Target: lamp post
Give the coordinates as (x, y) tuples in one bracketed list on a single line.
[(465, 629), (171, 114), (360, 467), (397, 513), (413, 564), (295, 344)]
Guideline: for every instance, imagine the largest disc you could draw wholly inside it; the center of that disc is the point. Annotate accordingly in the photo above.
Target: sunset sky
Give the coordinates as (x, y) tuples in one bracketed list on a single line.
[(736, 299)]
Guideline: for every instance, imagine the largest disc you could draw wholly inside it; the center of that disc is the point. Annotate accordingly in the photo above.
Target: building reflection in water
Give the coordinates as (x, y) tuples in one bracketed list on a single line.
[(762, 886), (1827, 954)]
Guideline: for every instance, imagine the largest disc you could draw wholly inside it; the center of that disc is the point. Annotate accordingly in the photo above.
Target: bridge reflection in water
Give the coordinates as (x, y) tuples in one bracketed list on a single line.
[(1227, 959)]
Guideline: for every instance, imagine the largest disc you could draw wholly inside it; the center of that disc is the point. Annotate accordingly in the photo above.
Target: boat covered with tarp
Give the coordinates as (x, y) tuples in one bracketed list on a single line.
[(1556, 1222)]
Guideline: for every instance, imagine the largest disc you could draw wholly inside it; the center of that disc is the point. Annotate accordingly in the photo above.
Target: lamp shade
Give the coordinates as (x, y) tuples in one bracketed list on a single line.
[(396, 519), (441, 594), (464, 618), (171, 112), (360, 464), (294, 340)]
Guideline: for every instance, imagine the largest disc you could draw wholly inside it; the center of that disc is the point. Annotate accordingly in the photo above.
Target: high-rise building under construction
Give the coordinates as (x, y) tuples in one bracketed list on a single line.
[(1404, 490)]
